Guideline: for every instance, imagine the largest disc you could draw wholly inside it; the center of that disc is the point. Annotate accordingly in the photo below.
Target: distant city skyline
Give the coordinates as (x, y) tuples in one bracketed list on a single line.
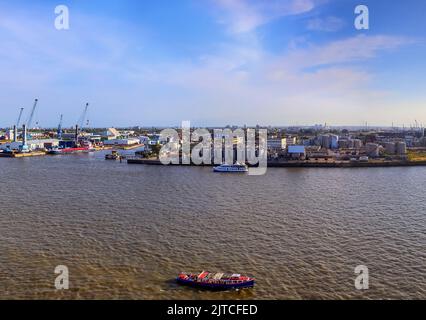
[(214, 62)]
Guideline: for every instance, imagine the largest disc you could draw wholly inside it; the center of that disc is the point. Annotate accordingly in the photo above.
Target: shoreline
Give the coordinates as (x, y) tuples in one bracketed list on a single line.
[(22, 155), (301, 164)]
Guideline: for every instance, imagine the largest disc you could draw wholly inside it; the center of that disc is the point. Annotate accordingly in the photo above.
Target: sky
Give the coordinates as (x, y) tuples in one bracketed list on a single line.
[(214, 62)]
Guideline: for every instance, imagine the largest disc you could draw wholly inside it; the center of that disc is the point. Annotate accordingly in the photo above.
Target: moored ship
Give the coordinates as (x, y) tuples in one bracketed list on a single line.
[(69, 147), (215, 281), (114, 155), (236, 168)]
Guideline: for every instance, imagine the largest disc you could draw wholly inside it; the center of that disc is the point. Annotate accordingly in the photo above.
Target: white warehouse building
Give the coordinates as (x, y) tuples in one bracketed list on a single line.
[(122, 142), (32, 144)]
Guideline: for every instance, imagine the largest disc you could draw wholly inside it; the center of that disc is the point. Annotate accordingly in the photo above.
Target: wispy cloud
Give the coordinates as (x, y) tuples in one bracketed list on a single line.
[(352, 49), (327, 24), (237, 81), (244, 15), (277, 88)]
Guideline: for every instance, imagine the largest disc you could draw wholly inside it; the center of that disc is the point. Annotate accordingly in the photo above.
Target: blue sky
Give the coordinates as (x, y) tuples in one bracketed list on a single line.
[(214, 62)]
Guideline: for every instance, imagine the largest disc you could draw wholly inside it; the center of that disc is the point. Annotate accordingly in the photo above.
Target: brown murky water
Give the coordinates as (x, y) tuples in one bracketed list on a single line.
[(125, 231)]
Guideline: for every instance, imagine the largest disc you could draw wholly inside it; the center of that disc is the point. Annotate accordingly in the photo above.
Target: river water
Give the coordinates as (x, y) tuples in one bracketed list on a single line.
[(125, 231)]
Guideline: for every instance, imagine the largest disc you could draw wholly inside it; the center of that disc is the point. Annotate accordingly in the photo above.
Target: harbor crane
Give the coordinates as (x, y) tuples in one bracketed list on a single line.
[(30, 119), (60, 127), (19, 118), (15, 127), (80, 122)]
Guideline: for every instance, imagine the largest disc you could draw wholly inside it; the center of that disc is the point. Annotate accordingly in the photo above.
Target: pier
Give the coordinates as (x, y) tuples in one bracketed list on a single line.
[(22, 155)]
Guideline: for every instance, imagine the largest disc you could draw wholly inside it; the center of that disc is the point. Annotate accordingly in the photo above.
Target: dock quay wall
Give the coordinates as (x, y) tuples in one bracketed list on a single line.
[(305, 164)]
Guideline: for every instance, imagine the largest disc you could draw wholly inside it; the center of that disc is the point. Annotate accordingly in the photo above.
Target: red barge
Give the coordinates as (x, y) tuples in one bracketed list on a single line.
[(215, 281)]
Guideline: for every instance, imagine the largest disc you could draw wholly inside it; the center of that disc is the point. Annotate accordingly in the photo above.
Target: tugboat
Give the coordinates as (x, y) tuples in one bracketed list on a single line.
[(114, 155), (215, 281), (235, 168)]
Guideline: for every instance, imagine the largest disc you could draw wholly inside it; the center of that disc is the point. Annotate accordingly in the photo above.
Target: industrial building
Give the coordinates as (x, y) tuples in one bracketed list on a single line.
[(297, 152), (110, 134), (277, 144), (122, 142), (32, 144)]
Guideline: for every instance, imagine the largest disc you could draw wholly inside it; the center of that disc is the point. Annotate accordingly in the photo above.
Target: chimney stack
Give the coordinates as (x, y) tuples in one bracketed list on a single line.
[(15, 133), (24, 135), (76, 134)]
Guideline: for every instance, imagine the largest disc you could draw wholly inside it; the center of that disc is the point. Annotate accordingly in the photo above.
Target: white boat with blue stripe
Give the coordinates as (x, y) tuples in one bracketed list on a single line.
[(232, 168)]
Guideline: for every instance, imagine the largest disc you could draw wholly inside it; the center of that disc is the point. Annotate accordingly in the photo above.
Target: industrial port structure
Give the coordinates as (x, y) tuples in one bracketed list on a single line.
[(287, 146)]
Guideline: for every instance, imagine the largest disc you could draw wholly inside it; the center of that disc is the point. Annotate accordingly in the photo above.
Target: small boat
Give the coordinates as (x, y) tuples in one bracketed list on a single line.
[(215, 281), (114, 155), (237, 167)]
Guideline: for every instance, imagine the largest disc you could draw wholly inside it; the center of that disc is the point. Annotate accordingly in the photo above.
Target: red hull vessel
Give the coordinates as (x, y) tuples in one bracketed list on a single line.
[(215, 281), (69, 150)]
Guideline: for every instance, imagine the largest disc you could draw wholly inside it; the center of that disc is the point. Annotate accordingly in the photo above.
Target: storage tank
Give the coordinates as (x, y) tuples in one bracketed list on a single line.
[(357, 143), (325, 141), (372, 150), (401, 148), (343, 144), (334, 141), (390, 147)]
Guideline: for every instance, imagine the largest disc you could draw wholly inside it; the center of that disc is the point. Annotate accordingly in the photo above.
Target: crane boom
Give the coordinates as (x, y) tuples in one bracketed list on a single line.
[(19, 118), (30, 119), (80, 122), (60, 128)]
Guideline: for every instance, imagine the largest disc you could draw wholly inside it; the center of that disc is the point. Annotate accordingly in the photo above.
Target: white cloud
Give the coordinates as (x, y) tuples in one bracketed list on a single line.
[(328, 24), (279, 89), (357, 48), (244, 15), (238, 82)]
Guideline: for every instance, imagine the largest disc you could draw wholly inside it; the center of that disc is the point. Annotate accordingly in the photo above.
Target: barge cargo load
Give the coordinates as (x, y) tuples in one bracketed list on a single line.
[(215, 281)]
